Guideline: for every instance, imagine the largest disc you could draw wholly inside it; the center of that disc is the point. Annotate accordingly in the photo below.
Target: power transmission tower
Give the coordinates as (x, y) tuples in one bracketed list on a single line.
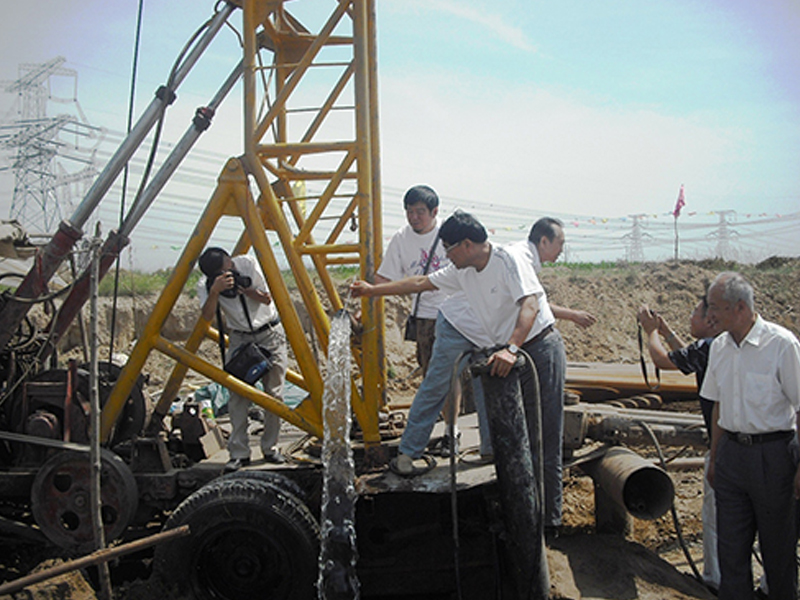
[(724, 234), (634, 251), (54, 158)]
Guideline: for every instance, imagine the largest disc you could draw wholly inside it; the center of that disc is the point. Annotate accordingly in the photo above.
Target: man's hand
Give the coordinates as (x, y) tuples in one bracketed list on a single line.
[(262, 296), (361, 288), (502, 361), (223, 281), (583, 319), (648, 319)]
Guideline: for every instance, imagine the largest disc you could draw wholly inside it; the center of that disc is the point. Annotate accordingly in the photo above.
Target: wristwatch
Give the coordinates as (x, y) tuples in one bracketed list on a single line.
[(513, 348)]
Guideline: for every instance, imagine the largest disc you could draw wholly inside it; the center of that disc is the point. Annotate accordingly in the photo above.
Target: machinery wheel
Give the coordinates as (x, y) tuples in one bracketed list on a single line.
[(61, 493), (47, 391), (271, 478), (249, 539)]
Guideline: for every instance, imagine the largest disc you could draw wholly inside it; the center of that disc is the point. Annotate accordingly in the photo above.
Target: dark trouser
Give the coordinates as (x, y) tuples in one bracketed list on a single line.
[(426, 335), (754, 487), (550, 358)]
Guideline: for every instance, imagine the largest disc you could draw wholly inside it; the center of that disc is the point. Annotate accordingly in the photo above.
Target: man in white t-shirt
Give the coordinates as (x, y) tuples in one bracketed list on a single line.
[(414, 250), (226, 282), (502, 294)]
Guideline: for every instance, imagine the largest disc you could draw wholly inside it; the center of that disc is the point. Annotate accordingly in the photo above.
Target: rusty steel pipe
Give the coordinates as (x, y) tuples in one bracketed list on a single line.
[(643, 489)]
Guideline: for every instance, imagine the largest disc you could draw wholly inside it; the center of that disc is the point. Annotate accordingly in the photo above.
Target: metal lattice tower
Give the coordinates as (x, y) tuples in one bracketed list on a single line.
[(54, 158), (635, 251), (724, 234)]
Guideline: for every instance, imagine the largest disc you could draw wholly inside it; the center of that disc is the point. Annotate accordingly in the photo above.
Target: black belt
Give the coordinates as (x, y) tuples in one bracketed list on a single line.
[(539, 336), (264, 327), (748, 439)]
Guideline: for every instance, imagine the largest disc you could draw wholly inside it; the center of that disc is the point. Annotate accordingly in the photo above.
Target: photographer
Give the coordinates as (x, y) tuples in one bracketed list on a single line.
[(227, 281)]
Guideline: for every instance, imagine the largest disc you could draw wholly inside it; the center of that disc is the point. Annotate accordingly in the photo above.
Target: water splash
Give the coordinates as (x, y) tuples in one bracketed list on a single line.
[(338, 554)]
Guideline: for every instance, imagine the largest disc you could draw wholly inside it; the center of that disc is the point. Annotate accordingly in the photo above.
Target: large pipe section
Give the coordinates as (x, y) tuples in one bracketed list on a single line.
[(521, 495), (633, 483)]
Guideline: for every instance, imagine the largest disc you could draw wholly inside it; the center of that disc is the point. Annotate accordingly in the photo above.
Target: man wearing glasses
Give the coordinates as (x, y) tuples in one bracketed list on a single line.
[(500, 291)]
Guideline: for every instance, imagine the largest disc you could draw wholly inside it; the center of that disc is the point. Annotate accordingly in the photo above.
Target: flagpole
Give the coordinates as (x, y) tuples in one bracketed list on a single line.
[(676, 237), (676, 213)]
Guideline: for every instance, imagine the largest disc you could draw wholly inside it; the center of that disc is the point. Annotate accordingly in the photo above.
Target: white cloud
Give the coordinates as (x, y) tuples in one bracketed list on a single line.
[(526, 146)]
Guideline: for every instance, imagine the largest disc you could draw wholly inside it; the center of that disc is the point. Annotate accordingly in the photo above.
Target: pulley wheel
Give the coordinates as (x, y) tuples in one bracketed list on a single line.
[(61, 499)]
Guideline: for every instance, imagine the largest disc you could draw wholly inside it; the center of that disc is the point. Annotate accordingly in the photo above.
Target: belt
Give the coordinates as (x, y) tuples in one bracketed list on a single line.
[(264, 327), (748, 439), (539, 336)]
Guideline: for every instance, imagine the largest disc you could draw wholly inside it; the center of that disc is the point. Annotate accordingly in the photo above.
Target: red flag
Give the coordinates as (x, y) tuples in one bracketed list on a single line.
[(679, 204)]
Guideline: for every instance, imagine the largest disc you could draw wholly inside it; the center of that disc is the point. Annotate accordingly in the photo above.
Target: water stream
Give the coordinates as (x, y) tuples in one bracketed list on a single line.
[(338, 554)]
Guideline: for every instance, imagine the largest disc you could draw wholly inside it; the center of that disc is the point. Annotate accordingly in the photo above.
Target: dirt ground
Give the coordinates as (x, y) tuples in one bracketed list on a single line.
[(582, 564)]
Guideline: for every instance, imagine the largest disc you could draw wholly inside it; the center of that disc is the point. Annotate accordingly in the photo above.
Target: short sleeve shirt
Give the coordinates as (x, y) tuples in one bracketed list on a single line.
[(493, 293), (525, 251), (260, 314), (406, 255), (757, 383)]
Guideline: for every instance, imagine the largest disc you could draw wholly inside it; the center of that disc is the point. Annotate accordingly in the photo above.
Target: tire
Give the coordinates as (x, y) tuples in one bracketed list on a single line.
[(248, 539), (271, 478)]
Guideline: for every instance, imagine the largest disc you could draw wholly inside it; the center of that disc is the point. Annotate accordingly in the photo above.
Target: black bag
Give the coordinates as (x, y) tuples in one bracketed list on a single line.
[(249, 362), (410, 334)]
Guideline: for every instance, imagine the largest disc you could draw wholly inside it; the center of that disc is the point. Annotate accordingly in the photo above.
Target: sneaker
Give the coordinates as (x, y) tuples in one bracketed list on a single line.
[(449, 445), (404, 465)]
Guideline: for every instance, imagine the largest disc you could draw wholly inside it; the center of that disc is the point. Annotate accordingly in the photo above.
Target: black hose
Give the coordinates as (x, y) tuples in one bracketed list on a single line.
[(678, 529)]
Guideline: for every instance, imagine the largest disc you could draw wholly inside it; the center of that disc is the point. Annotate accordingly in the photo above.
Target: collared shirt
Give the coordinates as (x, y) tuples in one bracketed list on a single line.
[(527, 251), (260, 313), (757, 383), (494, 293), (406, 255)]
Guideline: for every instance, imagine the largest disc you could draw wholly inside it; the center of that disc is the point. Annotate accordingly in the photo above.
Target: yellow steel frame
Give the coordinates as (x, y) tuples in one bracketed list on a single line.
[(347, 169)]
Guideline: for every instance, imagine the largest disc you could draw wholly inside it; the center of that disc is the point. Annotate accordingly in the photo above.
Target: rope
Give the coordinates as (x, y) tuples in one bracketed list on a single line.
[(134, 70)]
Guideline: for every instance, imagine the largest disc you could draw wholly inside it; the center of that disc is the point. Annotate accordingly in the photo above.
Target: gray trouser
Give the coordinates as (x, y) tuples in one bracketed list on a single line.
[(550, 358), (274, 339), (754, 487)]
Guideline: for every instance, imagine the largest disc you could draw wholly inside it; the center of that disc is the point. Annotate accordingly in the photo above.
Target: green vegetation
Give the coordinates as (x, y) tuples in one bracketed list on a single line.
[(133, 283)]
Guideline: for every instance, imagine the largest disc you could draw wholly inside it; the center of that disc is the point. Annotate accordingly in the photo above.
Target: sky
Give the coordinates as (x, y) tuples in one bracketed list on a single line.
[(590, 111)]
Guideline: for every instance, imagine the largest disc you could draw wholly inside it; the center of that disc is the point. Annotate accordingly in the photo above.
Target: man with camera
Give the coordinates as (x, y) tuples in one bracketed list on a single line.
[(235, 287)]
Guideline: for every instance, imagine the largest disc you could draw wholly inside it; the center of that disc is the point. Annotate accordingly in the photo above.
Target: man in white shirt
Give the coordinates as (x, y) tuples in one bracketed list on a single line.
[(502, 294), (753, 377), (415, 249), (546, 347), (231, 284)]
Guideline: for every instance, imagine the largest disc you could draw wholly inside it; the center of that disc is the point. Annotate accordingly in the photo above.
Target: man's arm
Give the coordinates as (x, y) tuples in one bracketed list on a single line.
[(502, 361), (580, 317), (223, 281), (262, 296), (658, 354), (409, 285)]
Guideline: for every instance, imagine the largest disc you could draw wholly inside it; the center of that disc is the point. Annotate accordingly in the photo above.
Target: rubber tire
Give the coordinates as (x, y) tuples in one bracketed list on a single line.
[(248, 539), (271, 478)]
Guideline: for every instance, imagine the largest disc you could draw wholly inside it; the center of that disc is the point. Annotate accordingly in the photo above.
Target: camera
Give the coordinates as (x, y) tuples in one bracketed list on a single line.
[(239, 282)]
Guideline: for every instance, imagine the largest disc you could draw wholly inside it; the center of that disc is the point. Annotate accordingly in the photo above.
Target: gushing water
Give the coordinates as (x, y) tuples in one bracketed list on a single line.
[(338, 554)]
